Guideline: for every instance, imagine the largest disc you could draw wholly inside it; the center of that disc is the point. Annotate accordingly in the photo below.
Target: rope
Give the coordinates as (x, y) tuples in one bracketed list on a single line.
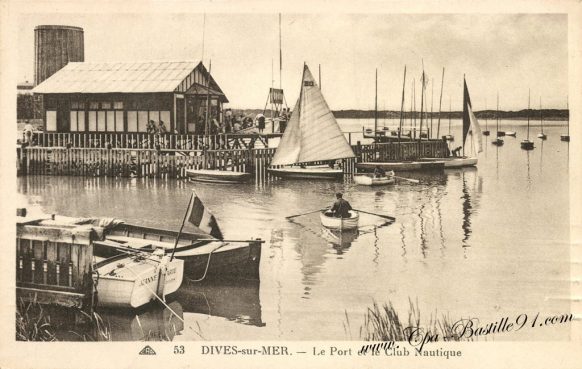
[(166, 305), (207, 266)]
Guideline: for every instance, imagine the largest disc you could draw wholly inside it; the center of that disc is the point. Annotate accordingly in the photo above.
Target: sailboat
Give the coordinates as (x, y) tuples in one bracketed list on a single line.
[(470, 125), (527, 144), (566, 138), (542, 135), (498, 141), (312, 136), (486, 131)]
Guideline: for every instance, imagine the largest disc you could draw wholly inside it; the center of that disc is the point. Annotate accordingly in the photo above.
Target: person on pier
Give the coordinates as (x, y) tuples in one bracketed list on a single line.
[(341, 208)]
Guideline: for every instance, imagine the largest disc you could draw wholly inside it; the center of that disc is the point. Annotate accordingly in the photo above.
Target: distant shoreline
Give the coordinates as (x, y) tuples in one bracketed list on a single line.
[(548, 114)]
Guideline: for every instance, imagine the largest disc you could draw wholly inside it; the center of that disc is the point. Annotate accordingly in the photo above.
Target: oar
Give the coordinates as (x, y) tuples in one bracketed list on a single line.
[(408, 179), (309, 212), (378, 215)]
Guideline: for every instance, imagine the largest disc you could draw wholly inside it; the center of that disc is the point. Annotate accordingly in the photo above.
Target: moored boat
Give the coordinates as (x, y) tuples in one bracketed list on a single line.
[(217, 176), (403, 166), (308, 172), (527, 144), (133, 280), (203, 256), (371, 180), (328, 220), (509, 133), (454, 161)]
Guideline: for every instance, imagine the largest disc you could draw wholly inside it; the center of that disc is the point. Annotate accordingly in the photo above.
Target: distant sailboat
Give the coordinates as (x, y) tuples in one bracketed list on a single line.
[(542, 135), (486, 131), (312, 135), (498, 141), (527, 144), (566, 138)]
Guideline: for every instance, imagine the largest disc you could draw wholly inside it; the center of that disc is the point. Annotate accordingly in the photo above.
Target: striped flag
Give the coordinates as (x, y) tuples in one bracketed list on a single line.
[(199, 216)]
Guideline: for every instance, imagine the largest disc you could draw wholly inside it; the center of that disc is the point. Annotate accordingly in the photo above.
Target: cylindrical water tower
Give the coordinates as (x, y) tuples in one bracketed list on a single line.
[(54, 47)]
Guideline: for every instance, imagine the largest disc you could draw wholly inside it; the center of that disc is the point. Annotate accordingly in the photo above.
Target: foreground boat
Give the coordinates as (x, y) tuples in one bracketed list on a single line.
[(403, 166), (217, 176), (203, 256), (131, 281), (371, 180), (328, 220), (312, 137)]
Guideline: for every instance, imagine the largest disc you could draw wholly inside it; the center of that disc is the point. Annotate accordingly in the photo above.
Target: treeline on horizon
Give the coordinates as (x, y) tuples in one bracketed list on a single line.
[(548, 114)]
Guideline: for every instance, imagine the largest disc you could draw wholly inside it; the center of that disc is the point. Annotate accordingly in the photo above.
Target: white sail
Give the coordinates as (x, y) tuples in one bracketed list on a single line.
[(475, 131), (312, 133)]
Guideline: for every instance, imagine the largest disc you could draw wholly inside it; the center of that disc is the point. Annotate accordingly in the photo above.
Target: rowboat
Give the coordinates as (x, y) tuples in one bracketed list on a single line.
[(331, 222), (311, 172), (403, 166), (371, 180), (509, 133), (131, 281), (203, 255), (217, 176), (312, 137)]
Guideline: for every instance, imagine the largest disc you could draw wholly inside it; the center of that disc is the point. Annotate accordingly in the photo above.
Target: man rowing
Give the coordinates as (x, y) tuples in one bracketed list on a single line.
[(379, 172), (341, 208)]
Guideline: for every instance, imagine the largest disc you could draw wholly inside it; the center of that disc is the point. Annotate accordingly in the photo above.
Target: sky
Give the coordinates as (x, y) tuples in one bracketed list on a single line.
[(505, 53)]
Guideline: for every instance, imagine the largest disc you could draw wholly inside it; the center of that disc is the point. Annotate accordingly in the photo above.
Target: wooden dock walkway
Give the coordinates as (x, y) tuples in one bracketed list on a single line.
[(161, 162)]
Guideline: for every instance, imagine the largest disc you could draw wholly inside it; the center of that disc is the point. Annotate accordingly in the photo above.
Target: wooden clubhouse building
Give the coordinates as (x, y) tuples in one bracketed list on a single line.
[(124, 97)]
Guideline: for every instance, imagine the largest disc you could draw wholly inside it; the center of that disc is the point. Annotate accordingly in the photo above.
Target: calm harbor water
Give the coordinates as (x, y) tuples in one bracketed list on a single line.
[(486, 242)]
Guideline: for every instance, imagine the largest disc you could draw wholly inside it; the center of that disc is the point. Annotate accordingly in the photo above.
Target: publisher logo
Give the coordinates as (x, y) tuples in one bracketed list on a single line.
[(147, 351)]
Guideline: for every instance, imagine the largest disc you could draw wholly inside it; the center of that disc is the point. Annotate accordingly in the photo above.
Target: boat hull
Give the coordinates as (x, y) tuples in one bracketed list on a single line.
[(486, 133), (455, 162), (542, 136), (500, 133), (497, 142), (227, 260), (130, 282), (404, 166), (217, 176), (340, 224), (565, 138), (510, 133), (307, 173), (527, 145), (370, 180)]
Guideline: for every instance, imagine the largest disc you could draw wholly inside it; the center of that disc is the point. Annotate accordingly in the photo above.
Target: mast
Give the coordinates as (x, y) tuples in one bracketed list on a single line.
[(414, 102), (376, 107), (431, 106), (402, 105), (541, 118), (440, 104), (568, 109), (486, 115), (319, 71), (497, 114), (207, 128), (421, 105), (450, 108), (528, 106), (411, 101), (280, 57)]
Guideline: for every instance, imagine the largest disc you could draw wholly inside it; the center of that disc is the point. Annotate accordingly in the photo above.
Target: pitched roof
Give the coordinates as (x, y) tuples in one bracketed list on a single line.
[(124, 77)]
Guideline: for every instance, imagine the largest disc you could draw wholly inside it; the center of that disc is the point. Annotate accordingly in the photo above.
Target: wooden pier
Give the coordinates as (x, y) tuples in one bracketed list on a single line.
[(172, 162), (54, 265)]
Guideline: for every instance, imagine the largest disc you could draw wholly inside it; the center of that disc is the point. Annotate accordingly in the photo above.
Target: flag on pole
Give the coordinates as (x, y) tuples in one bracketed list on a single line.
[(199, 216), (470, 122)]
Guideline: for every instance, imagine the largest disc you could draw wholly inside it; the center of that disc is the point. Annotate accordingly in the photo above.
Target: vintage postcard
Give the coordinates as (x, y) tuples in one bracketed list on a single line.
[(362, 184)]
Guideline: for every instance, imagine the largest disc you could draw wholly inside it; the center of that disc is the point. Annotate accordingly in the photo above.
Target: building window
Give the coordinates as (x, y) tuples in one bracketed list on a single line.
[(93, 105), (51, 120), (105, 105), (118, 105)]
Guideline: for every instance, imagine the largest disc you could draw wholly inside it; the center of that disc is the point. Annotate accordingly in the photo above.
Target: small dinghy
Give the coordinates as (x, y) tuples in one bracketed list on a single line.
[(133, 280), (371, 180), (510, 133), (217, 176), (341, 224)]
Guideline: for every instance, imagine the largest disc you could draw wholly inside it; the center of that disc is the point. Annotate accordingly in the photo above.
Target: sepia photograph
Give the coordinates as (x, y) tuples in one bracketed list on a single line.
[(399, 182)]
